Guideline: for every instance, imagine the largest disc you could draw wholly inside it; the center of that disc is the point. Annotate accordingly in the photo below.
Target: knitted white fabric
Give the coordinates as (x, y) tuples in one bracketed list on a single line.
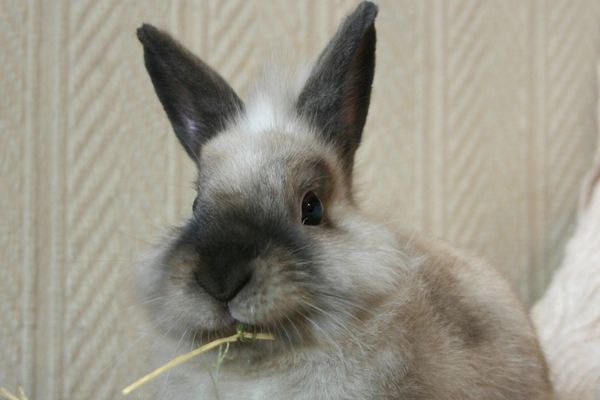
[(568, 316)]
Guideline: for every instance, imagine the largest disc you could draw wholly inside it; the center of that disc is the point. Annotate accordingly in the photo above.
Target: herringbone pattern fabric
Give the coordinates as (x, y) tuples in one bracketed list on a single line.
[(481, 128)]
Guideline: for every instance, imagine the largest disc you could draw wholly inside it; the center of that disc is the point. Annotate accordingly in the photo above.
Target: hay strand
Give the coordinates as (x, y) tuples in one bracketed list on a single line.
[(239, 336), (4, 393)]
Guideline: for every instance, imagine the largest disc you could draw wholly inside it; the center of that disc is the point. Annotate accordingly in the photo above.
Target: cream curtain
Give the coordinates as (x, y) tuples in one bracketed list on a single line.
[(481, 128)]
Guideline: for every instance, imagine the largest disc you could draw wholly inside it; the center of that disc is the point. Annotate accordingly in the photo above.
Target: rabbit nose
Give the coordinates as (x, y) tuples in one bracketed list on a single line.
[(224, 283)]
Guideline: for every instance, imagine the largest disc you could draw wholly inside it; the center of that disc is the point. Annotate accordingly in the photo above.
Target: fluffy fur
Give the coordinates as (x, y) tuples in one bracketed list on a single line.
[(359, 310)]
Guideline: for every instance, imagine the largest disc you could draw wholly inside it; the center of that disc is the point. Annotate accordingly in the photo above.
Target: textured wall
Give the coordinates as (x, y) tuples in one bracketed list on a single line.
[(481, 127)]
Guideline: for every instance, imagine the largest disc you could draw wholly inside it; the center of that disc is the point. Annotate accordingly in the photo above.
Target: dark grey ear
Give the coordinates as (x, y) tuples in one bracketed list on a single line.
[(337, 93), (197, 99)]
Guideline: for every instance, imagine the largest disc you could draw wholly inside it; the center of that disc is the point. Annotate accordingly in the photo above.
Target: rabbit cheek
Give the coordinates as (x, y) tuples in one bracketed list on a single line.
[(183, 306)]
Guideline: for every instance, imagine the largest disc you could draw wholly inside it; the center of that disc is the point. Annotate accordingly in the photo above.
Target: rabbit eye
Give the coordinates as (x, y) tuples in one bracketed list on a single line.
[(312, 209), (195, 205)]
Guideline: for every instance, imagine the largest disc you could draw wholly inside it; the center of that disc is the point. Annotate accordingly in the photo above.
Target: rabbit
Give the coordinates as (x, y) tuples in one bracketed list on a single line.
[(276, 241)]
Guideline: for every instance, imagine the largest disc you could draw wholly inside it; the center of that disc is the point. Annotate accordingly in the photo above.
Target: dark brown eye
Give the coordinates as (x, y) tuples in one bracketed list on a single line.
[(312, 209)]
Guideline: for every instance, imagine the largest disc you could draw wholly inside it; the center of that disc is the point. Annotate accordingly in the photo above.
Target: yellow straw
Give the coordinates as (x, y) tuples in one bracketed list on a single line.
[(9, 396), (21, 393), (241, 336)]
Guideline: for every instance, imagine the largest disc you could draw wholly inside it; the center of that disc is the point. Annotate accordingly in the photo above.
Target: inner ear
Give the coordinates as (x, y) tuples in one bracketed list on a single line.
[(356, 92)]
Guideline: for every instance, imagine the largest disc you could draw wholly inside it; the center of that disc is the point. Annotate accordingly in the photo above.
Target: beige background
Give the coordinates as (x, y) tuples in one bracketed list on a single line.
[(481, 127)]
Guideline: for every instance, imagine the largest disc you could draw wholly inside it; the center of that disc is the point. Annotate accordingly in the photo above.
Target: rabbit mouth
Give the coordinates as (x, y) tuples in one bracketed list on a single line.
[(288, 332), (289, 328)]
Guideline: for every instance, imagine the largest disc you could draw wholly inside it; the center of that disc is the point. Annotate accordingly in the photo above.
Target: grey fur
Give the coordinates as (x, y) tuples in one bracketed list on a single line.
[(337, 93), (359, 310), (197, 100)]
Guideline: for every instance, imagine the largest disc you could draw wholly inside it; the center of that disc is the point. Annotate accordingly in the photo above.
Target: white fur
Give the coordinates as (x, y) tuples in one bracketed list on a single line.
[(271, 105)]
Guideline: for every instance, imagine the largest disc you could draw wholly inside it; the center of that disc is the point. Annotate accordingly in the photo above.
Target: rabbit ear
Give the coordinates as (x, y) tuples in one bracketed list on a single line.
[(336, 95), (197, 100)]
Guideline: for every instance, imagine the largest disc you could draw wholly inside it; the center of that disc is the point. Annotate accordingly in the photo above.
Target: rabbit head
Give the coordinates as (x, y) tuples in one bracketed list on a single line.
[(275, 240)]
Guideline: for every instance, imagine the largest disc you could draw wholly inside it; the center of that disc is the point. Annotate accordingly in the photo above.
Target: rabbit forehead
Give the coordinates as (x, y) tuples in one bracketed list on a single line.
[(237, 159)]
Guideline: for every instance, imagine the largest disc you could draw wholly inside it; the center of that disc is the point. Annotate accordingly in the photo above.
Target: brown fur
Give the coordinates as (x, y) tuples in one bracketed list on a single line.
[(445, 327), (359, 311)]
